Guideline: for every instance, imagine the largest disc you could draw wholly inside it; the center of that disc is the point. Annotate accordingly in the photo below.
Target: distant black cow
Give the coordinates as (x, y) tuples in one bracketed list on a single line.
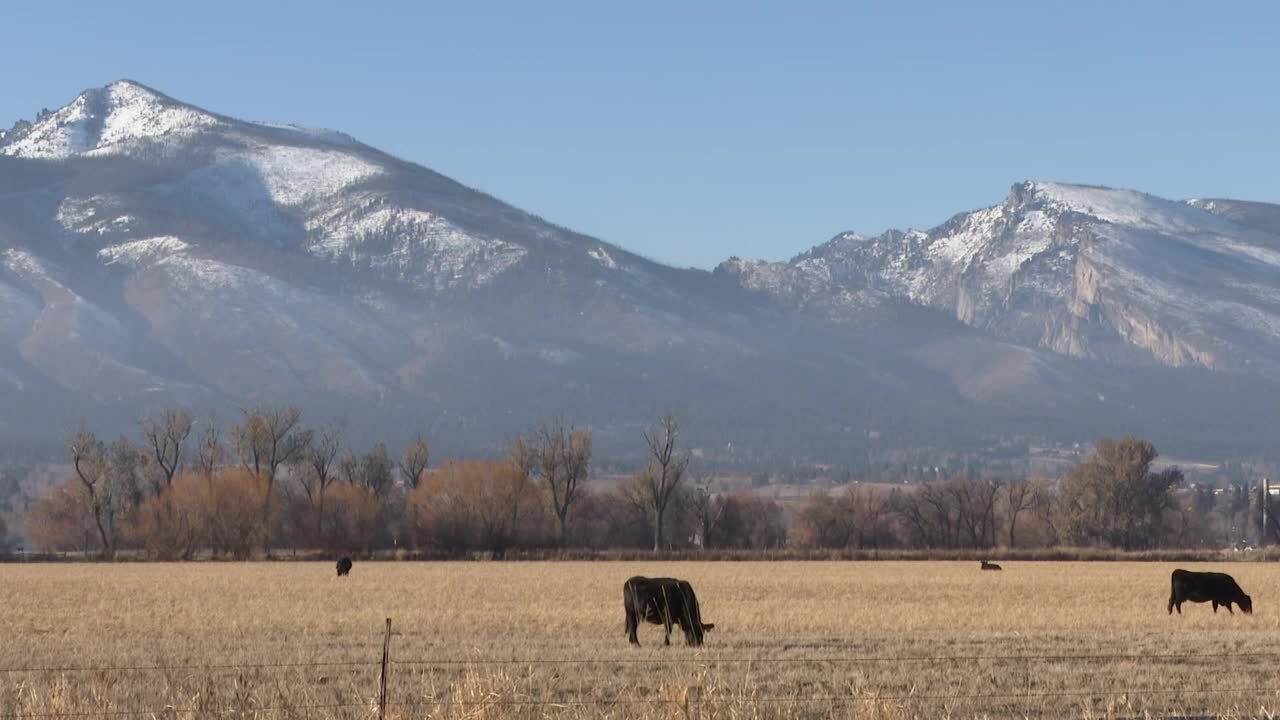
[(1216, 588), (989, 565), (344, 566), (663, 601)]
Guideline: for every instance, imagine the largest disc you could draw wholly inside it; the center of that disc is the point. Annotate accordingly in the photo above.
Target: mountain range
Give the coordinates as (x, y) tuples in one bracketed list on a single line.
[(153, 253)]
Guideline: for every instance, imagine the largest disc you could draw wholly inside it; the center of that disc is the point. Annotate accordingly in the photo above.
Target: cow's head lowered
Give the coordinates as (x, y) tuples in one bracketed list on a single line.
[(695, 631), (690, 618), (1246, 604)]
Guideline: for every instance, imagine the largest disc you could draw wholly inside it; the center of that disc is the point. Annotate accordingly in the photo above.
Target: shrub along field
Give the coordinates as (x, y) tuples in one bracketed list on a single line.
[(546, 639)]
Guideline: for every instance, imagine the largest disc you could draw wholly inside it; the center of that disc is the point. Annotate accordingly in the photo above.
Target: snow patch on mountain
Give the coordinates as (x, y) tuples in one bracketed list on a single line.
[(295, 176), (202, 275), (962, 246), (602, 256), (28, 267), (96, 214), (138, 253), (418, 246)]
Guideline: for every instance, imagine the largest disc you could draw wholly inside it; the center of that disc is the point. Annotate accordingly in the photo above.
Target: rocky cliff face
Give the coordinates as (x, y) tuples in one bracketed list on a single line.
[(1113, 275)]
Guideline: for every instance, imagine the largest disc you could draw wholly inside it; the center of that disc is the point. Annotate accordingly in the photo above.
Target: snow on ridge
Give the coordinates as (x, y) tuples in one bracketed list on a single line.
[(60, 134), (335, 137), (975, 231), (27, 266), (601, 256), (416, 245), (295, 176), (1128, 207), (137, 253)]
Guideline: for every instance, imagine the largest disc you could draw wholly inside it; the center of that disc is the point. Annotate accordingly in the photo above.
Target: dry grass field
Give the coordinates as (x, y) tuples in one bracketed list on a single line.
[(505, 640)]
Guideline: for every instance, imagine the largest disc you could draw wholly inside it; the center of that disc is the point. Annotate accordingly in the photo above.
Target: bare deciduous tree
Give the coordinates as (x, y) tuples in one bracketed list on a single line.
[(831, 521), (126, 464), (665, 471), (210, 455), (210, 452), (164, 435), (414, 460), (376, 470), (564, 459), (1017, 498), (89, 461), (349, 468), (265, 440), (1044, 508), (499, 497), (268, 438), (318, 471), (709, 508)]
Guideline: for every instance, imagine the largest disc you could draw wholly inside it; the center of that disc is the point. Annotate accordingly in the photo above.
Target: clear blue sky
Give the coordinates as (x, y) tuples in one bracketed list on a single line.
[(694, 131)]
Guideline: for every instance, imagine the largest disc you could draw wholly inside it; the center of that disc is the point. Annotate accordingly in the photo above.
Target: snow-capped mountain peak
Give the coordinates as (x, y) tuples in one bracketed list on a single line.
[(1120, 206), (1082, 270), (104, 119)]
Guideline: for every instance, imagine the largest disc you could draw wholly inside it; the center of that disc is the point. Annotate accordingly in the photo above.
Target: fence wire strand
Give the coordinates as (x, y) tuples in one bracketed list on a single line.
[(710, 660), (701, 700), (749, 700)]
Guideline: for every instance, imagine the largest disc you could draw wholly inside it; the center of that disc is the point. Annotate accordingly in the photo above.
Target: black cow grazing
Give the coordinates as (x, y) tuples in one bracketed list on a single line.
[(344, 566), (1212, 587), (989, 565), (663, 601)]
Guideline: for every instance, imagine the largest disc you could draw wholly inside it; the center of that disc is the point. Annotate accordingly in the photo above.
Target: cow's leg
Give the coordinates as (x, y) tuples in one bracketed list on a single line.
[(687, 629), (1171, 604), (1215, 607), (1233, 612), (632, 621), (666, 617)]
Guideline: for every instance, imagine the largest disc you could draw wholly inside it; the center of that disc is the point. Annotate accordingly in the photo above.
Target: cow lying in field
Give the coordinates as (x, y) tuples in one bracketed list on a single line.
[(663, 601), (989, 565), (1216, 588), (344, 566)]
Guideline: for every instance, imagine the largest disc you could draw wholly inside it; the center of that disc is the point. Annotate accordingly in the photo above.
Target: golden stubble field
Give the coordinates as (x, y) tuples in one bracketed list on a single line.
[(505, 640)]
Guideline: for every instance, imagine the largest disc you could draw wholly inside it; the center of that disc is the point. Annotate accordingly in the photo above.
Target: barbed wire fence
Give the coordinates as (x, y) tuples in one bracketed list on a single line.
[(691, 708)]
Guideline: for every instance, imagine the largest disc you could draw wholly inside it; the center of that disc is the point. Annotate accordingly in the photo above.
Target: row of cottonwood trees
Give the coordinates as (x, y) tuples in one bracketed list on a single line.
[(182, 491)]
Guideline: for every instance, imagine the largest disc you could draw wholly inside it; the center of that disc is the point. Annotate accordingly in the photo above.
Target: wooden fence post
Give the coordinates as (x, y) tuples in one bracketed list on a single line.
[(386, 656)]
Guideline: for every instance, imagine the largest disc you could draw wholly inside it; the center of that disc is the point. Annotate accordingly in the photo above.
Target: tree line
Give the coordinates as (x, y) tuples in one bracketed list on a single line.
[(182, 490)]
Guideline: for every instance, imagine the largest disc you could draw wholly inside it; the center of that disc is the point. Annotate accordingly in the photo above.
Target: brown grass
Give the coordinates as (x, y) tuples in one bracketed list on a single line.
[(816, 639)]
